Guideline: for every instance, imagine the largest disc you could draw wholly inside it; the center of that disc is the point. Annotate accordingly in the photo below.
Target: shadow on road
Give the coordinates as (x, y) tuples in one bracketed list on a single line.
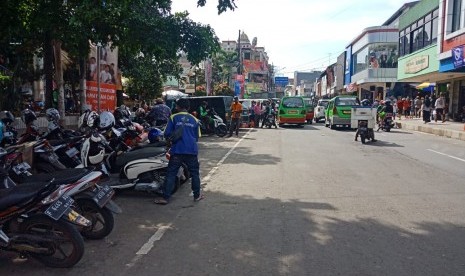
[(240, 235), (380, 143)]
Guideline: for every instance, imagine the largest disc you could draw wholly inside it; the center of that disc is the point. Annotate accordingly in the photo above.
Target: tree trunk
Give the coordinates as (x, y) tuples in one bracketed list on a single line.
[(48, 70), (59, 78), (82, 85)]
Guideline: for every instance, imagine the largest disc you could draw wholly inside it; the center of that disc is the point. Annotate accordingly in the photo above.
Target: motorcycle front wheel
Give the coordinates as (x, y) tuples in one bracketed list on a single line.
[(102, 219), (65, 245)]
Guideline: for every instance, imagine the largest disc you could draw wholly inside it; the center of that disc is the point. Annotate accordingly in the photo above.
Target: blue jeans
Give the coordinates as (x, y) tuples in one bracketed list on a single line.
[(174, 164)]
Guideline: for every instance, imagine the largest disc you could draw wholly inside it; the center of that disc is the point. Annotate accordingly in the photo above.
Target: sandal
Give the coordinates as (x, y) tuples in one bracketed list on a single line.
[(161, 201), (199, 198)]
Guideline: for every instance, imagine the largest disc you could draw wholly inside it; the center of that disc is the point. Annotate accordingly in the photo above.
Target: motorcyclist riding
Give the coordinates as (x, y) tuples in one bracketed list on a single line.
[(204, 116)]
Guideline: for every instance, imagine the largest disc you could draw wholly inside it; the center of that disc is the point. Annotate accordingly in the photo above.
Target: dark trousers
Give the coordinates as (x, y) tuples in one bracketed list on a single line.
[(174, 164), (234, 126), (426, 116)]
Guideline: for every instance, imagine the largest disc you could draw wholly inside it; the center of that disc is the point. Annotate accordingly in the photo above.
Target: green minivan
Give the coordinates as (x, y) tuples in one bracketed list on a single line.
[(338, 110), (292, 110)]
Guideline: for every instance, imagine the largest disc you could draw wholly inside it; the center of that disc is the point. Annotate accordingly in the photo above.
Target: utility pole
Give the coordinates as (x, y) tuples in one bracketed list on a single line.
[(239, 70)]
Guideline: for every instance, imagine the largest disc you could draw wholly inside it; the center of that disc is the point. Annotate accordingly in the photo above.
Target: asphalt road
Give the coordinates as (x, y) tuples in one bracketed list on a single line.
[(295, 201)]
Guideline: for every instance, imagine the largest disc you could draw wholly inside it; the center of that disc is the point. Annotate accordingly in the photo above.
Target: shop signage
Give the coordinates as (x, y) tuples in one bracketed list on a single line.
[(107, 96), (416, 64), (457, 55)]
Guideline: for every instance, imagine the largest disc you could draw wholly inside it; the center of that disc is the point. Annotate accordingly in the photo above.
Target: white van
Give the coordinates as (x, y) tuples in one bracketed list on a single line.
[(320, 110)]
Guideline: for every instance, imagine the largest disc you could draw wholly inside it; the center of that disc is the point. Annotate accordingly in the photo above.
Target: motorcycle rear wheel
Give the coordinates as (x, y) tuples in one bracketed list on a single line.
[(221, 130), (102, 219), (63, 232)]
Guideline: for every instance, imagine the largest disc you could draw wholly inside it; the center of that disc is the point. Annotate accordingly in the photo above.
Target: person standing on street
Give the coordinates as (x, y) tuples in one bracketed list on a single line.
[(183, 150), (426, 110), (236, 109), (258, 114), (440, 105), (400, 107), (417, 104), (159, 114)]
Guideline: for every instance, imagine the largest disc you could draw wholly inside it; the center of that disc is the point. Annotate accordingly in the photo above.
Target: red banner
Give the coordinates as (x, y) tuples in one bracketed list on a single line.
[(107, 96)]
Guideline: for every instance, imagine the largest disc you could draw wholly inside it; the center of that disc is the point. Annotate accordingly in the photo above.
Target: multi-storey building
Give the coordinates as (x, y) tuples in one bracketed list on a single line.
[(254, 68), (451, 46), (371, 59)]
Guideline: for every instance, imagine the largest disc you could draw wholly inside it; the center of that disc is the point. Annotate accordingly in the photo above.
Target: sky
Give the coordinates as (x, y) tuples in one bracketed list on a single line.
[(298, 35)]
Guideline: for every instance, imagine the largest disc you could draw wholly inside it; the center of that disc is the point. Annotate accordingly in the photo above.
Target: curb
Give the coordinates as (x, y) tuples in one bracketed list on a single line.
[(454, 134)]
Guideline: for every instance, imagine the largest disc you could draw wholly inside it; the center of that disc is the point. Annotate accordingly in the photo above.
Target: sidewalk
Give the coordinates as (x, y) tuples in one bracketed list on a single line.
[(448, 129)]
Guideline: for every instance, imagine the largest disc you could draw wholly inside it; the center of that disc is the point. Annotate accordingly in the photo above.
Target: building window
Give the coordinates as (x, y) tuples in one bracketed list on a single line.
[(419, 34), (360, 60), (434, 31), (456, 15)]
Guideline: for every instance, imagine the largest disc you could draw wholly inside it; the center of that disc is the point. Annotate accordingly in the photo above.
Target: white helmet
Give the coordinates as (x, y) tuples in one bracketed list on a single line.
[(52, 114), (87, 119), (92, 153), (107, 120)]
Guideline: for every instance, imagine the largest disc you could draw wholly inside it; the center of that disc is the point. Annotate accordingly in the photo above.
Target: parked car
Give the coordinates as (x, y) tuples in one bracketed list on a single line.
[(319, 111), (310, 110), (292, 110), (338, 111)]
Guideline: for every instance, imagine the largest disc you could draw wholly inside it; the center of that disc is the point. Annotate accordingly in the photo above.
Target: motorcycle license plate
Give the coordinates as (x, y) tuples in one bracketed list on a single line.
[(20, 168), (102, 195), (72, 152), (59, 207), (363, 129)]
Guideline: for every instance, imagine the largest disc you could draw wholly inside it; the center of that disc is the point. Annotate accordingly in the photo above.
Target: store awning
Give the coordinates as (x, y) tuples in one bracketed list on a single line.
[(425, 85)]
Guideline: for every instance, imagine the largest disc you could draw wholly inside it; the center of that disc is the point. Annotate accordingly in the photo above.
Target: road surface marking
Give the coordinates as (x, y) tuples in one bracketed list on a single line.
[(451, 156), (213, 170), (145, 249)]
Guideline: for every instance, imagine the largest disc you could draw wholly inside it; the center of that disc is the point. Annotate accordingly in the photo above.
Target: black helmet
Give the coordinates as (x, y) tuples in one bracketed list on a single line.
[(365, 102), (183, 103), (28, 116), (7, 117)]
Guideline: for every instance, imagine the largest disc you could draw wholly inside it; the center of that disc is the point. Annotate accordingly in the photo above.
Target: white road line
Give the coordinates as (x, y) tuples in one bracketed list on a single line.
[(155, 237), (451, 156), (145, 249), (213, 170)]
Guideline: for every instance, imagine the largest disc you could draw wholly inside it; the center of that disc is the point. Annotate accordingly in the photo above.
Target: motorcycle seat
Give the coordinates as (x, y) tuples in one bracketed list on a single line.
[(142, 153), (19, 194), (64, 141), (66, 176)]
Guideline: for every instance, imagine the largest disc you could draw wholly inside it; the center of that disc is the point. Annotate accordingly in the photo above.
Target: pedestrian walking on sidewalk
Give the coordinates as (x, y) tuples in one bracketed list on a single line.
[(427, 110), (440, 105), (183, 132)]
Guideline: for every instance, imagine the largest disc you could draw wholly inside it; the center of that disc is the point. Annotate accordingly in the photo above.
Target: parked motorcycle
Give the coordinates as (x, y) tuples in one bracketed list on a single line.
[(91, 199), (141, 170), (35, 220), (217, 126)]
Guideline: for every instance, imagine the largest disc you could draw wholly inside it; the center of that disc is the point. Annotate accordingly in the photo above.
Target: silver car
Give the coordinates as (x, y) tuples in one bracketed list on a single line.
[(320, 110)]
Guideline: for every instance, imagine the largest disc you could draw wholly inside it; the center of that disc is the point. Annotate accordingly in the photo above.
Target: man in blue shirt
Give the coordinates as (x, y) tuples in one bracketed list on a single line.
[(159, 114), (183, 150)]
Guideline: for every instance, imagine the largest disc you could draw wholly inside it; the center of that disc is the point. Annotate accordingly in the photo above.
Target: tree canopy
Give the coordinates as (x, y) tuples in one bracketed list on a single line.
[(149, 36)]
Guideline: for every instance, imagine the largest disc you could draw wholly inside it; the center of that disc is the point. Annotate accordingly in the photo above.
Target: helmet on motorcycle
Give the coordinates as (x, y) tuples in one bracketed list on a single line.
[(7, 117), (122, 112), (365, 102), (140, 112), (52, 114), (96, 151), (387, 102), (154, 135), (87, 119), (28, 116), (106, 120)]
